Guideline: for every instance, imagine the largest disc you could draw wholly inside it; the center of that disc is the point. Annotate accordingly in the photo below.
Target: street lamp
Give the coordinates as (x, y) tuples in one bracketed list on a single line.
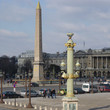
[(92, 83), (62, 70), (1, 76), (26, 85), (29, 104), (70, 102)]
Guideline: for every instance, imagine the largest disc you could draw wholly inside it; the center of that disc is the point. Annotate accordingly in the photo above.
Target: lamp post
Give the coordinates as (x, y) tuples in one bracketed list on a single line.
[(62, 70), (1, 90), (92, 83), (29, 104), (70, 102), (3, 77), (26, 85)]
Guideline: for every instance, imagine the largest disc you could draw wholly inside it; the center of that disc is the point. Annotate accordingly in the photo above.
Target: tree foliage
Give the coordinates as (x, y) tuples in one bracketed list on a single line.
[(8, 66)]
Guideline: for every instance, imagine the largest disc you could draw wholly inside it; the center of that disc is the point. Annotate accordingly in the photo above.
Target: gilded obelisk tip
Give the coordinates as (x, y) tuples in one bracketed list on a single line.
[(38, 5)]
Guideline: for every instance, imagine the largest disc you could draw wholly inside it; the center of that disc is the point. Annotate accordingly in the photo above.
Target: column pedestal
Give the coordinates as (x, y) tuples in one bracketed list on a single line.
[(70, 103)]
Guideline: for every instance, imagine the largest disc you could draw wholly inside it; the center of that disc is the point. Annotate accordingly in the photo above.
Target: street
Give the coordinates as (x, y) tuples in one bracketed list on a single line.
[(19, 87), (87, 101)]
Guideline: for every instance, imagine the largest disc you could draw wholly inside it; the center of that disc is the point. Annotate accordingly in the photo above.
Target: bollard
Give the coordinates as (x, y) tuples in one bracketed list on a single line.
[(35, 107), (20, 104), (50, 108), (45, 108), (56, 108), (25, 105), (16, 104), (40, 108), (13, 103), (9, 103), (5, 102)]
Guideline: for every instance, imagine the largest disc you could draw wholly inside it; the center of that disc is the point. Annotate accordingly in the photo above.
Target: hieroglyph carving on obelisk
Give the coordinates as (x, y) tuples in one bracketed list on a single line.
[(38, 58)]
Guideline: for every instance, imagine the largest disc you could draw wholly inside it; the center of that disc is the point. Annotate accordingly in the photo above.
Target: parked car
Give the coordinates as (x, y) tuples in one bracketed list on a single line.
[(62, 91), (11, 94), (88, 88), (78, 91), (33, 93), (104, 88), (34, 84)]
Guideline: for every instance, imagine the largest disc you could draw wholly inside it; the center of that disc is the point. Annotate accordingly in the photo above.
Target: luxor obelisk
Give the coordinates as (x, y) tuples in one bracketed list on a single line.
[(38, 58)]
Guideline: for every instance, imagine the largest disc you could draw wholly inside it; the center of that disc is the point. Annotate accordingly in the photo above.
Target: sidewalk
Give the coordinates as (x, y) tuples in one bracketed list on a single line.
[(97, 101)]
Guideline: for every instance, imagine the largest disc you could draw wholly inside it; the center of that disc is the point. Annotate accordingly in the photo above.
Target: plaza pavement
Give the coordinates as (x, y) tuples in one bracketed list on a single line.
[(96, 101)]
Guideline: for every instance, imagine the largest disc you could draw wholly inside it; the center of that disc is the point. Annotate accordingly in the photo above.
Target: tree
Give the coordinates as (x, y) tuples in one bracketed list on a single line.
[(8, 66), (54, 70), (27, 65)]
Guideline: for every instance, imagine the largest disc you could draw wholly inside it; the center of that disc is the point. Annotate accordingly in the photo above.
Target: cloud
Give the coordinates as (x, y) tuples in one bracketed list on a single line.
[(87, 19), (14, 12), (7, 33)]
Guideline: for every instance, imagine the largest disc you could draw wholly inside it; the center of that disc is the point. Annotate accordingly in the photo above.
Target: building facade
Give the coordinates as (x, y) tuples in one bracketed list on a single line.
[(93, 62)]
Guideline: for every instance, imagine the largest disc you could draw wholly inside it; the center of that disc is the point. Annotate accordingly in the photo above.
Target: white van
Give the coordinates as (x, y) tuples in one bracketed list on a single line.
[(88, 88)]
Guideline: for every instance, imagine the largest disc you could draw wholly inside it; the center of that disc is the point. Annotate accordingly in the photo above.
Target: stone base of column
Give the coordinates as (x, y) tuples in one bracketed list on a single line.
[(70, 103), (34, 80)]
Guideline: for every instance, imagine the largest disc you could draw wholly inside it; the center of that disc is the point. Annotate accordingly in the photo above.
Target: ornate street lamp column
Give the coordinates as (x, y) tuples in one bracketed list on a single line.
[(70, 102)]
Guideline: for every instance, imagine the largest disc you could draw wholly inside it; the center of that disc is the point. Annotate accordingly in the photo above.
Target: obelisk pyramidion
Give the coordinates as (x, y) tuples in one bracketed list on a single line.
[(38, 58)]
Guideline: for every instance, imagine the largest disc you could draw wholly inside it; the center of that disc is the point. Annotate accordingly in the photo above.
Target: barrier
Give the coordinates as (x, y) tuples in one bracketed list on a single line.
[(13, 103), (50, 108), (9, 103), (40, 108), (45, 108), (17, 104), (5, 102), (25, 105), (20, 105), (35, 107)]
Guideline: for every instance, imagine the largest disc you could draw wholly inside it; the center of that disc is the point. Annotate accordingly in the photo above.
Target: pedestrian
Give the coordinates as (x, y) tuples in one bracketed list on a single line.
[(53, 93), (44, 93), (48, 93)]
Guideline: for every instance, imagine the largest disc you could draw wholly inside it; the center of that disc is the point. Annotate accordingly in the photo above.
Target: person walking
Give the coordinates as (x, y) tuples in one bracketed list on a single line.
[(48, 93), (44, 93), (54, 93), (51, 94)]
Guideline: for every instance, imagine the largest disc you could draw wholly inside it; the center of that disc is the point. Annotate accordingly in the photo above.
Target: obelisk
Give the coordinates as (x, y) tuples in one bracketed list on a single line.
[(38, 58)]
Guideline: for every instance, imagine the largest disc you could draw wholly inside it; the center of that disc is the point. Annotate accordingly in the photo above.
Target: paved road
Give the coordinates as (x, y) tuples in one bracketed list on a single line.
[(19, 88)]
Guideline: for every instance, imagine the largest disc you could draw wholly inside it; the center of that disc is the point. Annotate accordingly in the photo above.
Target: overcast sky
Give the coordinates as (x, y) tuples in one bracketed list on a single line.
[(89, 20)]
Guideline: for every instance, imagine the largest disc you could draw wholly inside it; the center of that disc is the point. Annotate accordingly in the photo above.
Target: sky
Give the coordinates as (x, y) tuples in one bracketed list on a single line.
[(89, 20)]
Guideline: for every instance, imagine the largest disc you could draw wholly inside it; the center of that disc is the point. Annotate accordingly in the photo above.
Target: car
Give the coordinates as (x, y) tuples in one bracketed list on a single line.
[(34, 84), (89, 88), (11, 94), (33, 93), (23, 92), (62, 91), (104, 88), (78, 91)]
